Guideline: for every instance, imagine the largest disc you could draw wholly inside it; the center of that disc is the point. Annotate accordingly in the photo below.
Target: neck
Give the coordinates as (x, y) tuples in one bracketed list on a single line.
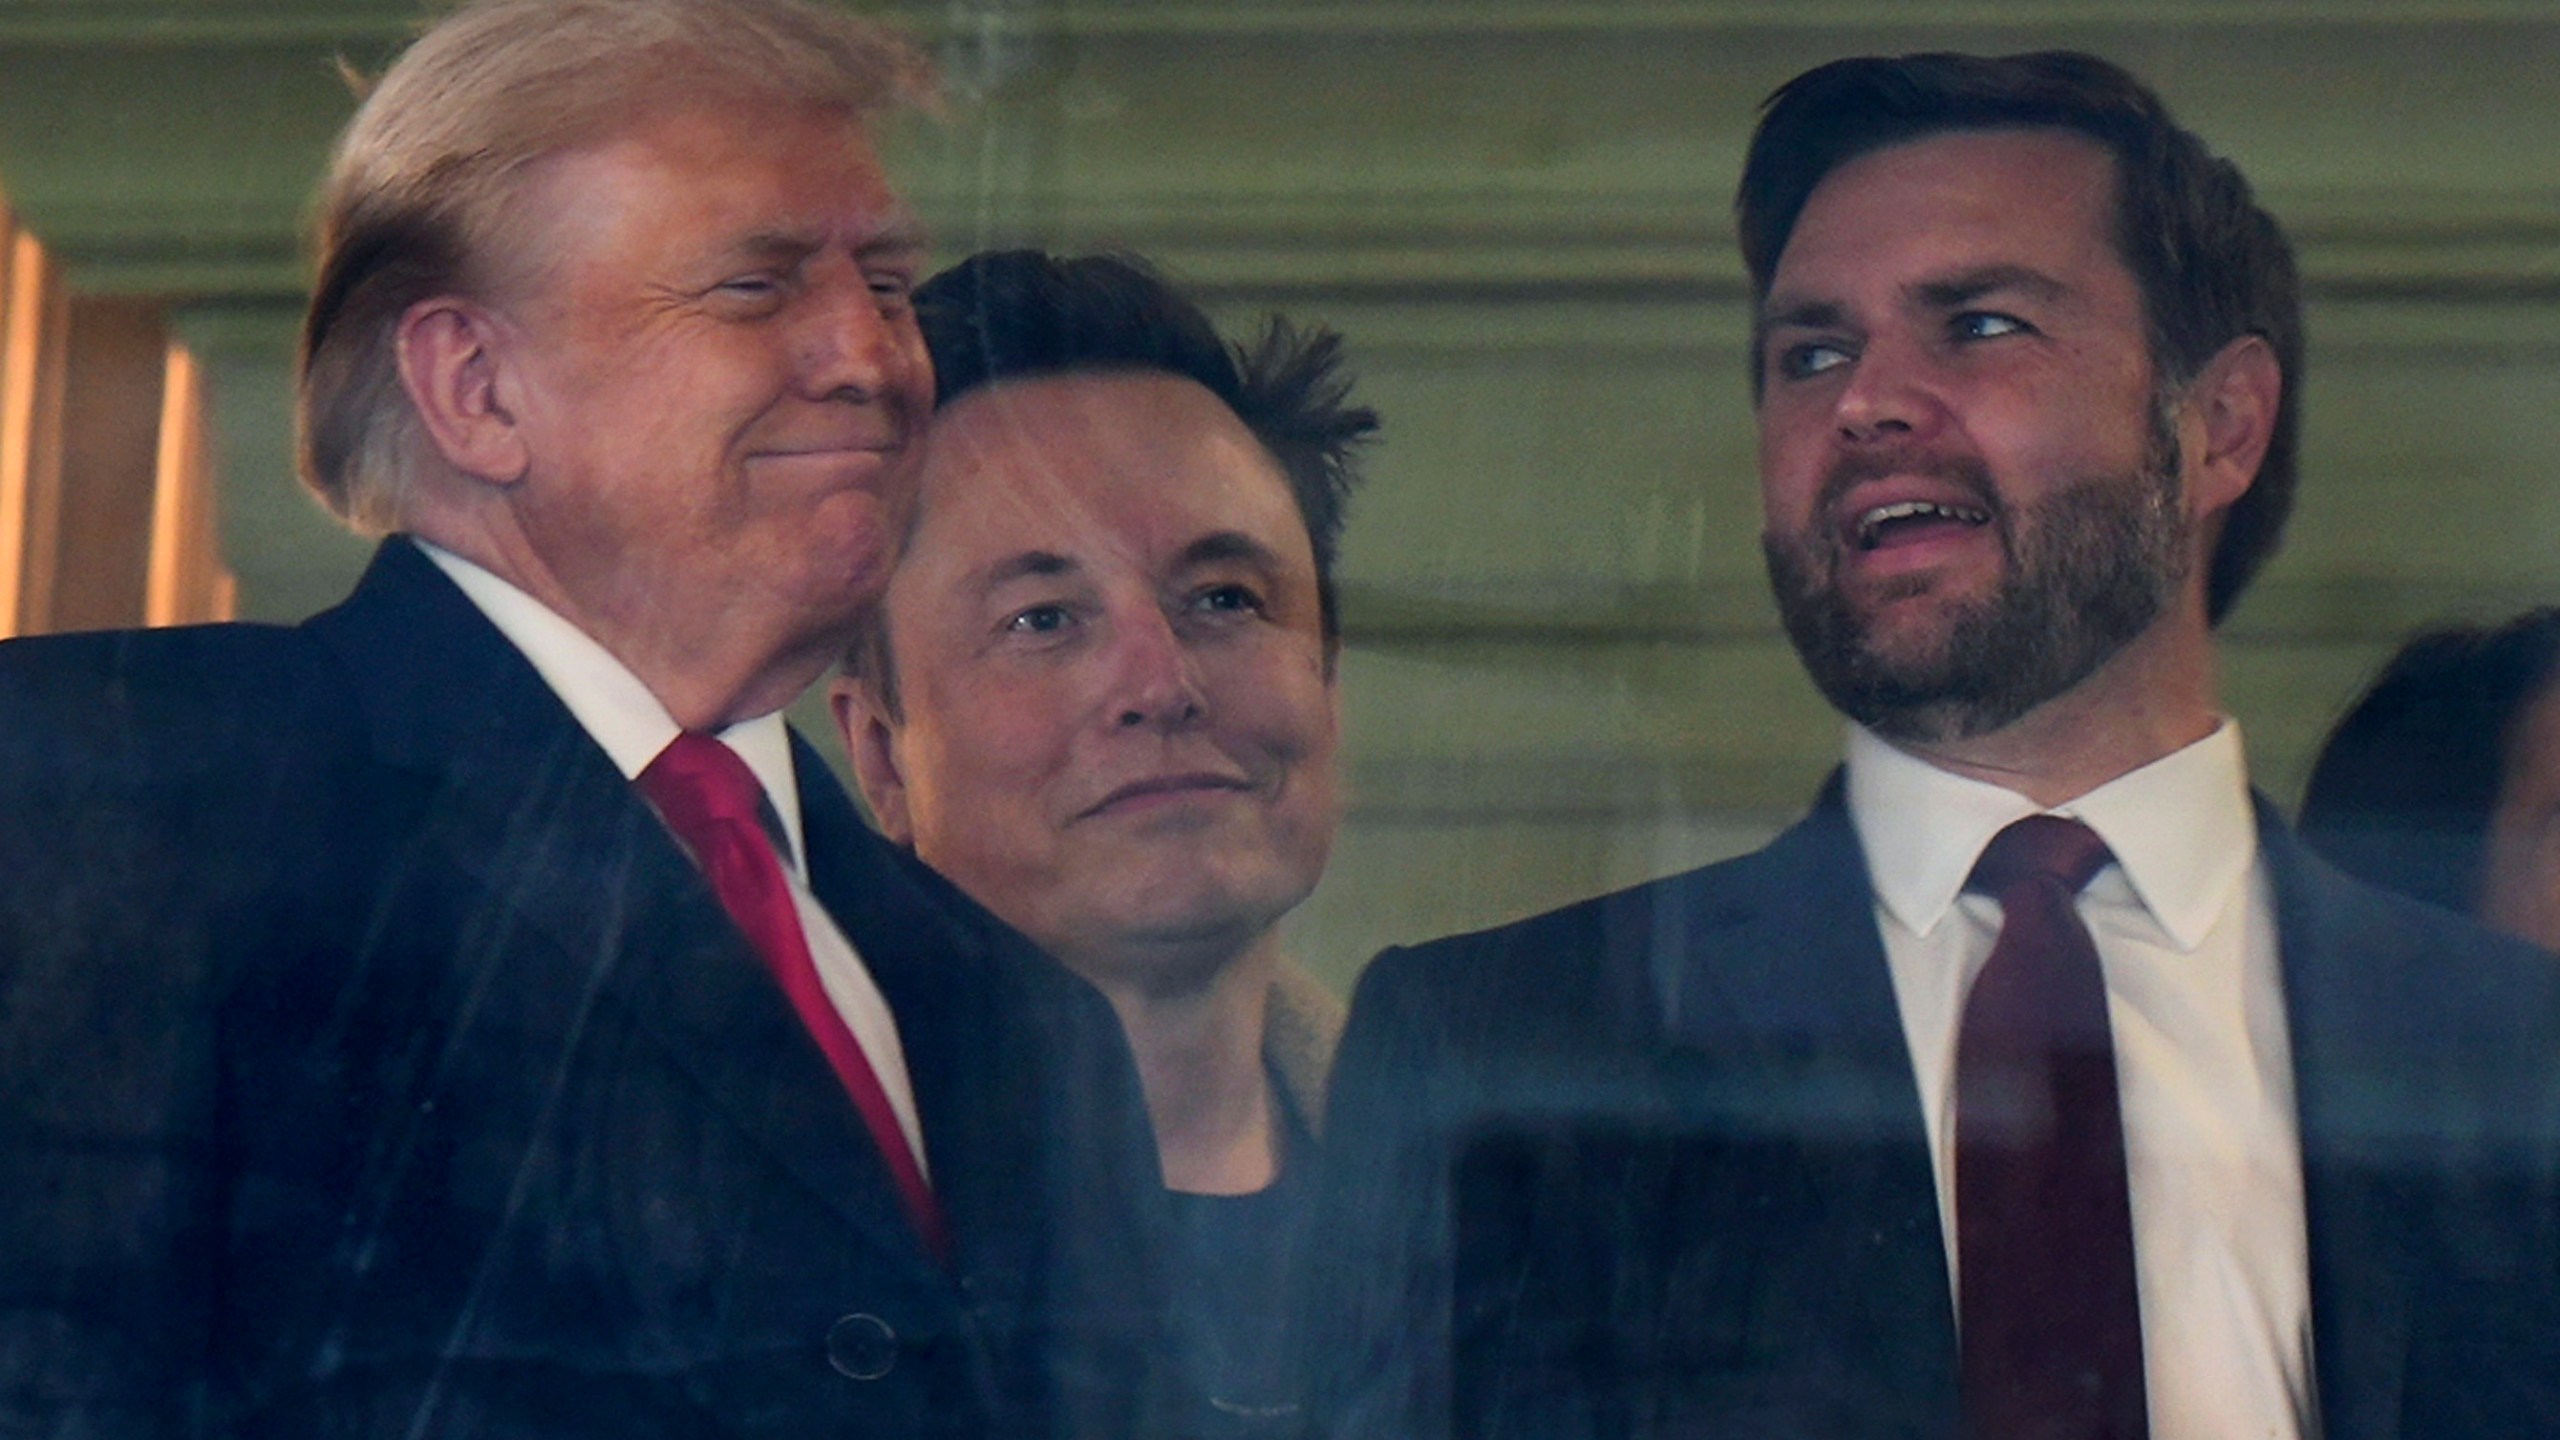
[(1209, 1094), (710, 665), (2154, 697)]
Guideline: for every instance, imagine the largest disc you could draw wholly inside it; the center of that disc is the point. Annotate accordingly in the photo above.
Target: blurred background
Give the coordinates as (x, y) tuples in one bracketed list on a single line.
[(1563, 671)]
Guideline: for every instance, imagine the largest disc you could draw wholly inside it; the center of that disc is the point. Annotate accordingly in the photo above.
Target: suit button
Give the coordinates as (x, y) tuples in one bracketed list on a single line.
[(862, 1347)]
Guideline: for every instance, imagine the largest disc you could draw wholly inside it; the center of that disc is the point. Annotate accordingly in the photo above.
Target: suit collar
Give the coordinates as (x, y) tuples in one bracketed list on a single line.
[(437, 685), (619, 712), (511, 792), (2180, 829), (1781, 961), (1799, 908)]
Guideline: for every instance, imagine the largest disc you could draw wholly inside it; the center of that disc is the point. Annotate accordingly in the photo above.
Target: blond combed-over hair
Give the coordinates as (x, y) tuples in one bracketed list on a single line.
[(420, 190)]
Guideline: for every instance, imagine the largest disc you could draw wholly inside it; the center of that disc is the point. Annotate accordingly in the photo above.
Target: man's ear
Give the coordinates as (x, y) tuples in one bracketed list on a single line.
[(871, 743), (452, 355), (2234, 399)]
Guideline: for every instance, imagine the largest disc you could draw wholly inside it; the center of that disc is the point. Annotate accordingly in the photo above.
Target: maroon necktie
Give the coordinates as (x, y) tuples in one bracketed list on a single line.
[(2049, 1321), (713, 802)]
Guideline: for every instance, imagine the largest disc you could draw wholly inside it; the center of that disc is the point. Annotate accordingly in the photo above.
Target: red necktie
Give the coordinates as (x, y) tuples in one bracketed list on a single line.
[(713, 802), (2049, 1321)]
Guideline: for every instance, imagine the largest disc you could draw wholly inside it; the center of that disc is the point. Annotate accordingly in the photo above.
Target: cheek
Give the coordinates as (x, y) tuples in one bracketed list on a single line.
[(1793, 452), (984, 771), (1279, 696), (2050, 430), (2520, 885)]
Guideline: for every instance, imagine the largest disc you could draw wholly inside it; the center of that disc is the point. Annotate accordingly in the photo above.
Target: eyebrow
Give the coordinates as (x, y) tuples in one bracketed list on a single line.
[(1801, 315), (773, 245), (1209, 549), (901, 235), (1963, 289), (1028, 564), (1228, 545), (1810, 314)]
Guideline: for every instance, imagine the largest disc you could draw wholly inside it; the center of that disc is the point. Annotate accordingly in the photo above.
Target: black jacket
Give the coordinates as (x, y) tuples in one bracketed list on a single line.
[(1654, 1165), (373, 1063)]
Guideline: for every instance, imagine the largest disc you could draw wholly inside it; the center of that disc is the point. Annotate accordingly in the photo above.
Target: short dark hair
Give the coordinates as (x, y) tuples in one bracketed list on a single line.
[(2212, 265), (2403, 791), (1018, 314)]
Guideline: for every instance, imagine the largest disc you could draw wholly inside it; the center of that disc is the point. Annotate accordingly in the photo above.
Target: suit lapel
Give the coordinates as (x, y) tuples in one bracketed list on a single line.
[(1785, 967), (2359, 1274), (1780, 998), (517, 798), (930, 969)]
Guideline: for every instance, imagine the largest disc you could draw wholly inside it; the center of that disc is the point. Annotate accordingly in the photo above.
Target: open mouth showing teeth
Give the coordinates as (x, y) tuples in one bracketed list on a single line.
[(1888, 522)]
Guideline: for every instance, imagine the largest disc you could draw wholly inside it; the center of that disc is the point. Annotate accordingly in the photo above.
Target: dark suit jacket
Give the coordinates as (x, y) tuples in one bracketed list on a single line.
[(373, 1063), (1654, 1165)]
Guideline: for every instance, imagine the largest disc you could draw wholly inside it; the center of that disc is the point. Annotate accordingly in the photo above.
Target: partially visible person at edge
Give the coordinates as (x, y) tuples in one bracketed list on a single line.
[(471, 1013), (1100, 697), (2038, 1082), (2442, 781)]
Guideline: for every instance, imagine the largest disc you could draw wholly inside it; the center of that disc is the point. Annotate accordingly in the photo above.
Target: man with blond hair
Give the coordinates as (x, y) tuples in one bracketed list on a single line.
[(472, 1012)]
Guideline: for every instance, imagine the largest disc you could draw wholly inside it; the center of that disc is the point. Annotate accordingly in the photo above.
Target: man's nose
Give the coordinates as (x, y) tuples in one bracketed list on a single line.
[(1891, 396), (864, 345), (1156, 681)]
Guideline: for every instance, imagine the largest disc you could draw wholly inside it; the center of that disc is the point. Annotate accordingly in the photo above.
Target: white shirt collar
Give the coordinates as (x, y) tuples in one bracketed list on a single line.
[(2181, 829), (609, 702)]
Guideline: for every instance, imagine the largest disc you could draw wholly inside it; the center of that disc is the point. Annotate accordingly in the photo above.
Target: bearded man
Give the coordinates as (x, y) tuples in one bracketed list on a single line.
[(2037, 1083)]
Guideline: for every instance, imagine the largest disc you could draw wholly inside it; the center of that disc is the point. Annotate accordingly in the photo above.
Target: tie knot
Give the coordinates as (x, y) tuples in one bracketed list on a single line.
[(2040, 847), (698, 779)]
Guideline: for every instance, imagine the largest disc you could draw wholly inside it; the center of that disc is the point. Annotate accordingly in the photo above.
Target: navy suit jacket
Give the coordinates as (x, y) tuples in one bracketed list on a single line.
[(1654, 1165), (374, 1063)]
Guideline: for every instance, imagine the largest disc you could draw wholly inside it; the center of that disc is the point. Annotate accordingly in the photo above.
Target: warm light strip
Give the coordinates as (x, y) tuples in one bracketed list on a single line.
[(175, 539), (21, 354)]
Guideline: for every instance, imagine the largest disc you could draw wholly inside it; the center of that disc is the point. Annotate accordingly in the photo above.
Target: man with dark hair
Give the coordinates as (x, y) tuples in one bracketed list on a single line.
[(2439, 781), (2210, 264), (2037, 1083), (472, 1012), (1099, 697)]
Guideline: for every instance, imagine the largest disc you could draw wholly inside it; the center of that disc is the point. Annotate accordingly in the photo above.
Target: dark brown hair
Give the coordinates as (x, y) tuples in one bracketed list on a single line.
[(2212, 265)]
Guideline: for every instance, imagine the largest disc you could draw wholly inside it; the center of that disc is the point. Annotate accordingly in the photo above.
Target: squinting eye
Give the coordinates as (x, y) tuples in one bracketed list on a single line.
[(892, 291), (754, 287)]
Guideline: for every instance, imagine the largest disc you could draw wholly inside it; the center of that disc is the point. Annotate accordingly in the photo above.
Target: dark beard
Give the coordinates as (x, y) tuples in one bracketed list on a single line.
[(2089, 568)]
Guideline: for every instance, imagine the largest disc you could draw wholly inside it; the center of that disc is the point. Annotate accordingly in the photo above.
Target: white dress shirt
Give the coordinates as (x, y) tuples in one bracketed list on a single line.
[(2184, 924), (633, 727)]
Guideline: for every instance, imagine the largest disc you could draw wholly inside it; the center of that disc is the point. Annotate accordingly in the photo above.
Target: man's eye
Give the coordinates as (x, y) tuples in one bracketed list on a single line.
[(1987, 325), (892, 292), (1228, 599), (1810, 358), (758, 288), (1039, 620)]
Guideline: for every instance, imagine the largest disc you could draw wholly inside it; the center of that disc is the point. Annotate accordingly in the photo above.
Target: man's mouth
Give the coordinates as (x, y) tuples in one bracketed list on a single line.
[(1140, 794), (1905, 520)]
